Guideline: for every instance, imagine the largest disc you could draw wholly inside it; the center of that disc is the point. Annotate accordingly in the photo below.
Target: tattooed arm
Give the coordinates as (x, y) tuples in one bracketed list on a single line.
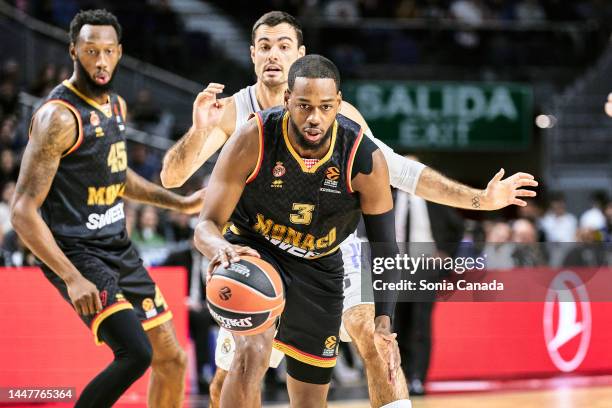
[(142, 190), (54, 131), (499, 193)]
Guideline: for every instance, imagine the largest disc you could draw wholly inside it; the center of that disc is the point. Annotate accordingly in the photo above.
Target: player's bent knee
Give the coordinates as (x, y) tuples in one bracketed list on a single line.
[(138, 358), (171, 362), (252, 356)]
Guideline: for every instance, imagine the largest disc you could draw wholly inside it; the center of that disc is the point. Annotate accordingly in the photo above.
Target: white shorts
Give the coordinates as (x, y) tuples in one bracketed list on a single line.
[(351, 255)]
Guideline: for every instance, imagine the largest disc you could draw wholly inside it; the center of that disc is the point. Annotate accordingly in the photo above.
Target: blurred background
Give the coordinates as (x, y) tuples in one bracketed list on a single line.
[(468, 86)]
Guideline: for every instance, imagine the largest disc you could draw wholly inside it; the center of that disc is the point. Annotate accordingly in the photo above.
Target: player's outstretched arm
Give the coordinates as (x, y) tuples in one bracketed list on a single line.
[(236, 163), (377, 208), (54, 131), (139, 189), (499, 193), (213, 123), (415, 178)]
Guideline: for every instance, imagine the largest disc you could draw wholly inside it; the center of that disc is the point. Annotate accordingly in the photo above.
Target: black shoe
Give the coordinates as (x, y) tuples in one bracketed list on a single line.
[(416, 387)]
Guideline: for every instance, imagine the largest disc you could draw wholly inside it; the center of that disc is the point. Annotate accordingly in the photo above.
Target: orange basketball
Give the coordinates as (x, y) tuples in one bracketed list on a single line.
[(246, 297)]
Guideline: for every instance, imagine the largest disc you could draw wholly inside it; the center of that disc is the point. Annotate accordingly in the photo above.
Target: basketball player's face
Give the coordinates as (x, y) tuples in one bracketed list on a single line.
[(96, 55), (275, 49), (313, 105)]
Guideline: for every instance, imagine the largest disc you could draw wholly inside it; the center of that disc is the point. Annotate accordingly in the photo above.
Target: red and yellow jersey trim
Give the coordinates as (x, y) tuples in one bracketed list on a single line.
[(158, 320), (351, 161), (80, 134), (106, 111), (260, 154), (306, 358), (297, 157), (114, 308)]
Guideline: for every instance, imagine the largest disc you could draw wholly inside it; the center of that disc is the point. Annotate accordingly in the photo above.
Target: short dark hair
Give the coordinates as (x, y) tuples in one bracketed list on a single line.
[(93, 17), (313, 66), (274, 18)]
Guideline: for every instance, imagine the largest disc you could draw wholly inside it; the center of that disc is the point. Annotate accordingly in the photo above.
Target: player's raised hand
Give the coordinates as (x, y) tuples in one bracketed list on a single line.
[(227, 254), (386, 345), (502, 193), (84, 296), (207, 109)]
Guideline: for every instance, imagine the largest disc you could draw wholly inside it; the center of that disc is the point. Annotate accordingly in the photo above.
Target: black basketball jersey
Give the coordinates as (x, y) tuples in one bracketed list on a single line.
[(85, 197), (305, 212)]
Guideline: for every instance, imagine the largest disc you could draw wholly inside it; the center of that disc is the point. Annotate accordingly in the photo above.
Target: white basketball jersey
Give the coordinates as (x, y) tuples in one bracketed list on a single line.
[(246, 104)]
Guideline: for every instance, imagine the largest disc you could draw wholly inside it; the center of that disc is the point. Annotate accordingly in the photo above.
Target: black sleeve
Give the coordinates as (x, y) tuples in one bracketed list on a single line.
[(363, 157), (380, 229)]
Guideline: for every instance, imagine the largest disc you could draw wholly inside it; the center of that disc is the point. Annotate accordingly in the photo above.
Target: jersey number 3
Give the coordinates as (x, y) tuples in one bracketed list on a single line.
[(304, 213), (117, 157)]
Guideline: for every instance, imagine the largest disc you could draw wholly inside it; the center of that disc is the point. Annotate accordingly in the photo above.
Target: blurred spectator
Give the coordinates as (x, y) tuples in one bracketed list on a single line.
[(15, 252), (498, 250), (179, 228), (527, 252), (8, 134), (558, 224), (9, 169), (533, 212), (5, 214), (346, 11), (589, 251), (147, 238), (530, 11), (594, 218), (142, 162), (9, 97)]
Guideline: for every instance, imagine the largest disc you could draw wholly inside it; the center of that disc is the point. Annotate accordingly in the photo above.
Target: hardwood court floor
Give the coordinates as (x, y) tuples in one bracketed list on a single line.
[(588, 397)]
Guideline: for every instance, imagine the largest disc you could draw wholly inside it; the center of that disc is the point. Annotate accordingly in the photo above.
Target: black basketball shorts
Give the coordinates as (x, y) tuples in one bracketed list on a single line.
[(309, 326), (115, 268)]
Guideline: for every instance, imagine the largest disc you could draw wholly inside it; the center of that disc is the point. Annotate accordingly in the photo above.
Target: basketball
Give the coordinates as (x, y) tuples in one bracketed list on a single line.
[(246, 297)]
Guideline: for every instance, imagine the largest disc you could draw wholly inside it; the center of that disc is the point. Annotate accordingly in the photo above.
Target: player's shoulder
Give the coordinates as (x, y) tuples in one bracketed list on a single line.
[(350, 112), (55, 112)]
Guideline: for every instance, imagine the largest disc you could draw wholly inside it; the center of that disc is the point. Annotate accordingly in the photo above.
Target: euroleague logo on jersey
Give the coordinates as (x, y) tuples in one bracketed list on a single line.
[(332, 173), (567, 321), (279, 170)]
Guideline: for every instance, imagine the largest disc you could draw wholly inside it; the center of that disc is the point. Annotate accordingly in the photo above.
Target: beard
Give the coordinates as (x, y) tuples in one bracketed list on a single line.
[(305, 143), (91, 87)]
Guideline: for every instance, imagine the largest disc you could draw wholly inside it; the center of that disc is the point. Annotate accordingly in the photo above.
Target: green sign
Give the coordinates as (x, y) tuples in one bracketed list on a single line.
[(445, 115)]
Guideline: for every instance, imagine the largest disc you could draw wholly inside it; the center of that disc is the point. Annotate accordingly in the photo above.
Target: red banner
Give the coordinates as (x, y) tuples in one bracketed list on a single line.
[(44, 343), (565, 332)]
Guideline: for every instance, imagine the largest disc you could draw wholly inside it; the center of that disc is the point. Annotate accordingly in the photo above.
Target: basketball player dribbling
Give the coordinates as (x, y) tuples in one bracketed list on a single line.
[(74, 170), (270, 182), (276, 43)]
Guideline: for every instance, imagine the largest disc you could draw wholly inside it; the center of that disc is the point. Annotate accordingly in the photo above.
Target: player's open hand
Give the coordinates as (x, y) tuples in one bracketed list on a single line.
[(226, 255), (193, 203), (207, 109), (84, 296), (386, 345), (502, 193)]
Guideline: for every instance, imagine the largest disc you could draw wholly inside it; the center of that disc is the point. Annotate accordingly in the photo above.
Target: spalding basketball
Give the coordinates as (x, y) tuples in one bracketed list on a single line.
[(246, 297)]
